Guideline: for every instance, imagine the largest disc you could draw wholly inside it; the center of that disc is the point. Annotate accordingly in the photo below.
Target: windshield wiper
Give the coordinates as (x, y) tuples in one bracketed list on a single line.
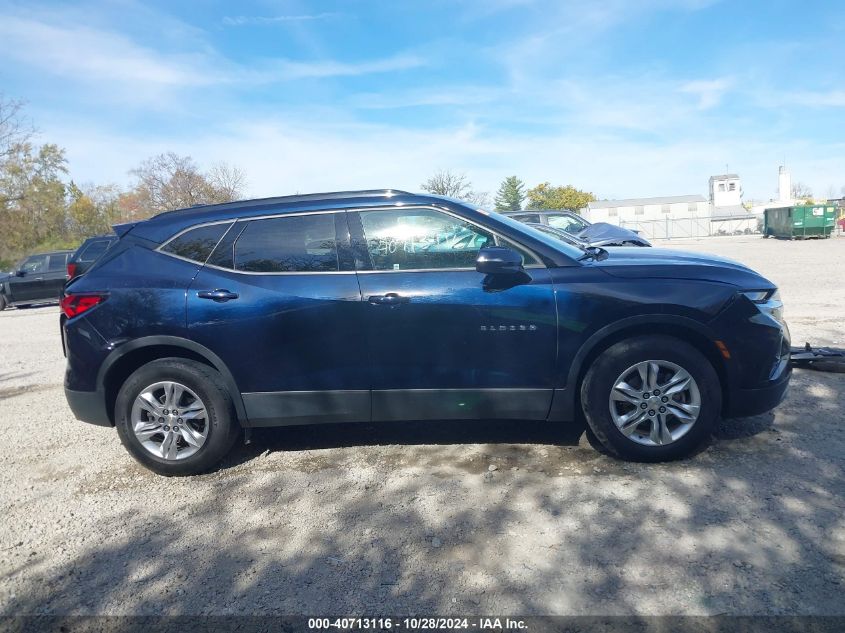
[(593, 252)]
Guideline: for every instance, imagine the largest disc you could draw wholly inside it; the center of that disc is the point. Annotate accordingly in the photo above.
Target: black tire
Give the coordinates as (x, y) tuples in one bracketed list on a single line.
[(206, 383), (3, 302), (602, 374)]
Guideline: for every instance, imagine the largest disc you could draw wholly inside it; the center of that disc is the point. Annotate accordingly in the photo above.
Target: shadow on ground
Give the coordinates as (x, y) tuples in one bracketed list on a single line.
[(753, 525)]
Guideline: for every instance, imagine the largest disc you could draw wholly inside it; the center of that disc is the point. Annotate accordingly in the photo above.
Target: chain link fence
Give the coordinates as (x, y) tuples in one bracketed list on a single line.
[(679, 228)]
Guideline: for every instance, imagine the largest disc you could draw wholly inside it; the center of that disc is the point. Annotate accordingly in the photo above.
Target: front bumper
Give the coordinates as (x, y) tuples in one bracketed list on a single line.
[(88, 406), (746, 402)]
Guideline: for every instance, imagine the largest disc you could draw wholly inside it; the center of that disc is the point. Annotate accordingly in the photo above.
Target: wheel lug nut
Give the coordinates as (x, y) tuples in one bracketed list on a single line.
[(165, 412), (179, 420), (657, 392), (662, 409), (646, 395), (166, 428), (176, 428), (664, 399), (651, 412), (644, 405), (161, 419)]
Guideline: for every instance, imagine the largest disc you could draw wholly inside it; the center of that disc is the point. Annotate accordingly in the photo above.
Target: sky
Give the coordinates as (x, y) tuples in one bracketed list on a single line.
[(621, 98)]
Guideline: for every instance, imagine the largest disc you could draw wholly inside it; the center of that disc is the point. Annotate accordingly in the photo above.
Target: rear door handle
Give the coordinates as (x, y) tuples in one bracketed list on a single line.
[(390, 299), (219, 295)]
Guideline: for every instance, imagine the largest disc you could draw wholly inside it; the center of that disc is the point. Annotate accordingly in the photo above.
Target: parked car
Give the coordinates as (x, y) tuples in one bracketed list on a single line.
[(390, 306), (88, 252), (36, 279), (559, 234), (595, 234)]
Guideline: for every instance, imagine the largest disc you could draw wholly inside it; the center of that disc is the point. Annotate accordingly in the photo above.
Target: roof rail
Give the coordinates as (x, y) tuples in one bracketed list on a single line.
[(250, 202)]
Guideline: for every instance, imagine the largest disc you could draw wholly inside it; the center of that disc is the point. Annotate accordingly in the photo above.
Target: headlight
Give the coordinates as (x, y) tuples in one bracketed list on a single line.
[(767, 301), (760, 296)]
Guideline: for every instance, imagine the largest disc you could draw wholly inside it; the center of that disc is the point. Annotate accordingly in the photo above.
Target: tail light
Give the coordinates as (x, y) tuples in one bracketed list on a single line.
[(74, 305), (71, 271)]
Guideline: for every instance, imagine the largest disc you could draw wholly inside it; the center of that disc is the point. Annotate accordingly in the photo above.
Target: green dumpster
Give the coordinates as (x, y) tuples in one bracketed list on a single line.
[(799, 222)]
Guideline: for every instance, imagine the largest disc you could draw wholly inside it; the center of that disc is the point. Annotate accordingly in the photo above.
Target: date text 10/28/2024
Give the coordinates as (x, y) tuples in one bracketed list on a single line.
[(417, 623)]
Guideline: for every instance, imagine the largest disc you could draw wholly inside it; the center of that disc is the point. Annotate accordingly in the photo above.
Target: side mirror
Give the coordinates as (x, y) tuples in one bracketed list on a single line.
[(20, 273), (498, 260)]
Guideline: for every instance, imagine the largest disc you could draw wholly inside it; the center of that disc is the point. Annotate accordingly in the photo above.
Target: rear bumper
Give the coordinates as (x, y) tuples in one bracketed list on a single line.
[(747, 402), (88, 406)]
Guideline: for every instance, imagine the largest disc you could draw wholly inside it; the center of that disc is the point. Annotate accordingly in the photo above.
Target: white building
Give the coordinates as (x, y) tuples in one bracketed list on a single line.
[(643, 209), (725, 191), (784, 185), (680, 216)]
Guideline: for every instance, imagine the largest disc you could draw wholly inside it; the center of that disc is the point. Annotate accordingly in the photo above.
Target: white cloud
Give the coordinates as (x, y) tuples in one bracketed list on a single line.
[(246, 20), (289, 69), (709, 92), (461, 95), (123, 68), (829, 99), (286, 154), (82, 53)]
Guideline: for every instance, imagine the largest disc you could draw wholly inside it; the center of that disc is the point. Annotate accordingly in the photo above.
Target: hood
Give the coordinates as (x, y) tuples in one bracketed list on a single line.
[(662, 263), (604, 234)]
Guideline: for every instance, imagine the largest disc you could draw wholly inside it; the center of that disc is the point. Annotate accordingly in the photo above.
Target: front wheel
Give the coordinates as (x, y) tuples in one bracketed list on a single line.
[(176, 417), (3, 302), (651, 398)]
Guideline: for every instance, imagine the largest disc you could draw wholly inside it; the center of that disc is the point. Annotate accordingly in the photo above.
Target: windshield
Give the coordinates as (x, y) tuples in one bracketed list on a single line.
[(560, 234), (565, 247), (568, 223)]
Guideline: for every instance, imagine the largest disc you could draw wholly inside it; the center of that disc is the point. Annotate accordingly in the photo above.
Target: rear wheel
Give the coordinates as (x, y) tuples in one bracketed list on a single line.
[(651, 398), (176, 417)]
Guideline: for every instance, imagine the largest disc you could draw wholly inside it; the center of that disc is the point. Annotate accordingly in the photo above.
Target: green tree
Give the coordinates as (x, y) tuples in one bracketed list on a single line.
[(32, 198), (510, 195), (92, 211), (546, 196)]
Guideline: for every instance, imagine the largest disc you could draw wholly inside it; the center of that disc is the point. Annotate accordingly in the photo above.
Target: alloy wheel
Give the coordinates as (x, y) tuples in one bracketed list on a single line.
[(169, 420), (655, 402)]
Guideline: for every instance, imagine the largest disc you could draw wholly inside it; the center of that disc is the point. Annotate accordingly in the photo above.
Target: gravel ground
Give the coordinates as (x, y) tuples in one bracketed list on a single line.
[(434, 518)]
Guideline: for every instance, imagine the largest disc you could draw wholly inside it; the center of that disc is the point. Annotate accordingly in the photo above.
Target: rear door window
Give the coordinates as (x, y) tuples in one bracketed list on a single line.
[(302, 243), (58, 262)]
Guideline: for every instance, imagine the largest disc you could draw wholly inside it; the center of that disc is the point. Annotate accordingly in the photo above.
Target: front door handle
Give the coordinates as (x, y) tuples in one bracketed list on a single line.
[(390, 299), (219, 295)]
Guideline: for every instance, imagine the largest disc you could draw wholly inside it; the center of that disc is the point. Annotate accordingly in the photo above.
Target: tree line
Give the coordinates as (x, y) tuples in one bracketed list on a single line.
[(43, 208), (511, 195)]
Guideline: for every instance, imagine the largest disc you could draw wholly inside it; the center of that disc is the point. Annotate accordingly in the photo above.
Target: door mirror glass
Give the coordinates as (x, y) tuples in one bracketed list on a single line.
[(20, 273), (498, 260)]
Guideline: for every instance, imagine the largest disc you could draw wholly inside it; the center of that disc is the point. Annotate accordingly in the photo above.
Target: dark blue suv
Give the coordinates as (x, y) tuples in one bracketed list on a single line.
[(390, 306)]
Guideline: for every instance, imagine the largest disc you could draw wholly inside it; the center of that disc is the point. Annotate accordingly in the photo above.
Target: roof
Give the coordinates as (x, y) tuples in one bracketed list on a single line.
[(163, 225), (283, 200), (723, 176), (636, 202)]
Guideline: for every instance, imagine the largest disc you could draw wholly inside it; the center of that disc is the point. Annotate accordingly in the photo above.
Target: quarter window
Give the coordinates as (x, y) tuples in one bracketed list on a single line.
[(197, 243), (302, 243)]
